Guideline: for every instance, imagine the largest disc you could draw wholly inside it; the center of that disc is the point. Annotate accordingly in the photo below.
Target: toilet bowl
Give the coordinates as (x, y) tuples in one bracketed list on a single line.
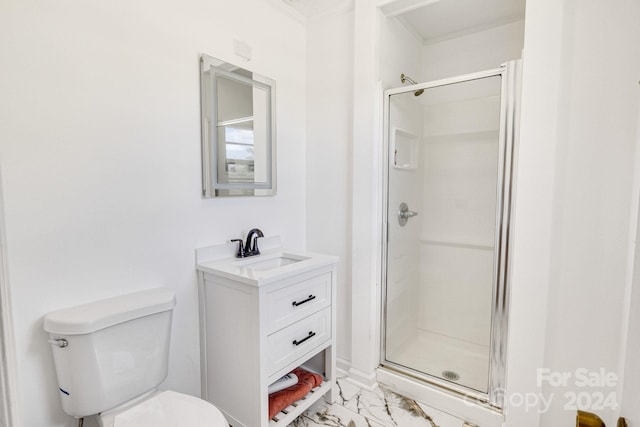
[(111, 355), (164, 409)]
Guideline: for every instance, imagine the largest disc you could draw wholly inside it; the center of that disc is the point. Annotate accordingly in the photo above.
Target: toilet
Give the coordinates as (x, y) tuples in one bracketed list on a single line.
[(110, 356)]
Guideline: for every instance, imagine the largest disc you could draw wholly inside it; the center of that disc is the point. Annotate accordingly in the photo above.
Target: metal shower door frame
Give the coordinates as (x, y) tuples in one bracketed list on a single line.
[(509, 102)]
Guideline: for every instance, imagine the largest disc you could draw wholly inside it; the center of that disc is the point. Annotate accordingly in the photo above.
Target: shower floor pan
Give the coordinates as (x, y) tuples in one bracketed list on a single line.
[(439, 356)]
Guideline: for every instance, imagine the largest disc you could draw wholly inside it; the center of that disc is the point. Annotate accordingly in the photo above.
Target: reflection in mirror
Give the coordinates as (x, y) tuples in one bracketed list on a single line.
[(238, 131)]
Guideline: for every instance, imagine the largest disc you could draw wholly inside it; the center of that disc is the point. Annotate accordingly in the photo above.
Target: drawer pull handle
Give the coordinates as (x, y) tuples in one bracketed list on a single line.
[(311, 335), (296, 303)]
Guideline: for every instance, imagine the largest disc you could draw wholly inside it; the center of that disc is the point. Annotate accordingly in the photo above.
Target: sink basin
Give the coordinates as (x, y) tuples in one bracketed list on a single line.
[(269, 263), (273, 264)]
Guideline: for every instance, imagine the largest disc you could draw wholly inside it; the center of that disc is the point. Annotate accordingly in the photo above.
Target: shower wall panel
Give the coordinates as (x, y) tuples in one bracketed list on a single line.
[(459, 201), (404, 262)]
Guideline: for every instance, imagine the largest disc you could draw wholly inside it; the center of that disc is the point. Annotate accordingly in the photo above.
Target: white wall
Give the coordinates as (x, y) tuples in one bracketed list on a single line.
[(630, 360), (100, 160), (578, 138), (400, 52), (532, 207), (598, 119), (9, 415), (329, 152), (365, 314), (483, 50)]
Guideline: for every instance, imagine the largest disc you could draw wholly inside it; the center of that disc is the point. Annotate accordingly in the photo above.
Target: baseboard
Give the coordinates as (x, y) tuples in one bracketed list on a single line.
[(355, 376), (367, 381), (343, 366)]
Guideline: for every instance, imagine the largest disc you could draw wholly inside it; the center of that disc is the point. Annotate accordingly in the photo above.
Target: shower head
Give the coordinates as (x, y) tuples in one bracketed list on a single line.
[(404, 78)]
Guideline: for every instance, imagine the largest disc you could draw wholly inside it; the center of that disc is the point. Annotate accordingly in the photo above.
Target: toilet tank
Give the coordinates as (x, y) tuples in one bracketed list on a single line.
[(110, 351)]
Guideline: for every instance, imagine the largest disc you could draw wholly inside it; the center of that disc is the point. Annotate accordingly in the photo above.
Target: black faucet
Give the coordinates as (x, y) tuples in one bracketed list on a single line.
[(250, 248)]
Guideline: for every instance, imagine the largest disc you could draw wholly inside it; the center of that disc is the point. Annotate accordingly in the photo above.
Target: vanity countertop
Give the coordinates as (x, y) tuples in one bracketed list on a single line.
[(273, 264)]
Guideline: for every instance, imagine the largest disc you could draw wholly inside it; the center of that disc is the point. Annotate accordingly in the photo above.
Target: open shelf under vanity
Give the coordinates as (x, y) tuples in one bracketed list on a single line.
[(293, 411)]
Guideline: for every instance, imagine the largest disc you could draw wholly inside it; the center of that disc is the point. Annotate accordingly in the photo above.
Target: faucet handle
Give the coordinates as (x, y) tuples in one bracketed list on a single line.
[(241, 248)]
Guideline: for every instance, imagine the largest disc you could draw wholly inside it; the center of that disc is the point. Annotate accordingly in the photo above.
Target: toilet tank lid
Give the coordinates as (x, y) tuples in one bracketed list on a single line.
[(93, 316)]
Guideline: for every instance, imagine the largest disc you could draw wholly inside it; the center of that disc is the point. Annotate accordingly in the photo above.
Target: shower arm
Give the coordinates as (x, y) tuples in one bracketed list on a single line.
[(404, 78)]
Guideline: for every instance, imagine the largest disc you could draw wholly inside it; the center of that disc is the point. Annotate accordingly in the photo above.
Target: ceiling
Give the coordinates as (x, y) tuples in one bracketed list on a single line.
[(316, 7), (445, 19), (433, 20)]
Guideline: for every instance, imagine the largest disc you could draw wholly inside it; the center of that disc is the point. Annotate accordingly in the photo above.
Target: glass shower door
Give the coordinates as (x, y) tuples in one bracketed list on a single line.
[(446, 167)]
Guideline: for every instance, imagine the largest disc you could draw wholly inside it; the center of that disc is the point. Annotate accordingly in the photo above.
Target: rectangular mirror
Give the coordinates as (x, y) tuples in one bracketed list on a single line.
[(238, 131)]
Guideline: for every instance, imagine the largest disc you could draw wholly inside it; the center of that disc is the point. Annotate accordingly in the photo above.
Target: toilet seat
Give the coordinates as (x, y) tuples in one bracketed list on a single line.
[(166, 409)]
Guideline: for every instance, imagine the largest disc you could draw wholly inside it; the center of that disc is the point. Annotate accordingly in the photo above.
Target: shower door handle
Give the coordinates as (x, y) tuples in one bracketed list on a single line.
[(404, 214)]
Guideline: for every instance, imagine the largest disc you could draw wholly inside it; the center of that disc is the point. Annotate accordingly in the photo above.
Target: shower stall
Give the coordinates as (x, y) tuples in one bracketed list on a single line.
[(449, 153)]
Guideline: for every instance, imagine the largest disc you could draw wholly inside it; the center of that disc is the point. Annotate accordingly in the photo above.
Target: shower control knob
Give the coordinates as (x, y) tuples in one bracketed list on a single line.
[(404, 214)]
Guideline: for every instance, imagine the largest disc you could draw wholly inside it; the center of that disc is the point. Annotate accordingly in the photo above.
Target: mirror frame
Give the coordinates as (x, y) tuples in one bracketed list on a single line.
[(210, 68)]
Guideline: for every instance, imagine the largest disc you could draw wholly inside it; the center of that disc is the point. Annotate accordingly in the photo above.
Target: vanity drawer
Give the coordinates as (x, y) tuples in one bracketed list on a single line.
[(285, 346), (286, 305)]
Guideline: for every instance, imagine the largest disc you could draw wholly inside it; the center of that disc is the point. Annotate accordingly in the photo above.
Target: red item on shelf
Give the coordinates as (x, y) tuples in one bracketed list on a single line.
[(283, 398)]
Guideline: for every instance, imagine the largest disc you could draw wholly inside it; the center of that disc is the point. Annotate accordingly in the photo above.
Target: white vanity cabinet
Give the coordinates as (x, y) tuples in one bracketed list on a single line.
[(259, 319)]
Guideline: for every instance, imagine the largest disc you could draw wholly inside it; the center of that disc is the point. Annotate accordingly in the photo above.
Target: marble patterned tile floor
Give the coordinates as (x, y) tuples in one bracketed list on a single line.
[(357, 407)]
